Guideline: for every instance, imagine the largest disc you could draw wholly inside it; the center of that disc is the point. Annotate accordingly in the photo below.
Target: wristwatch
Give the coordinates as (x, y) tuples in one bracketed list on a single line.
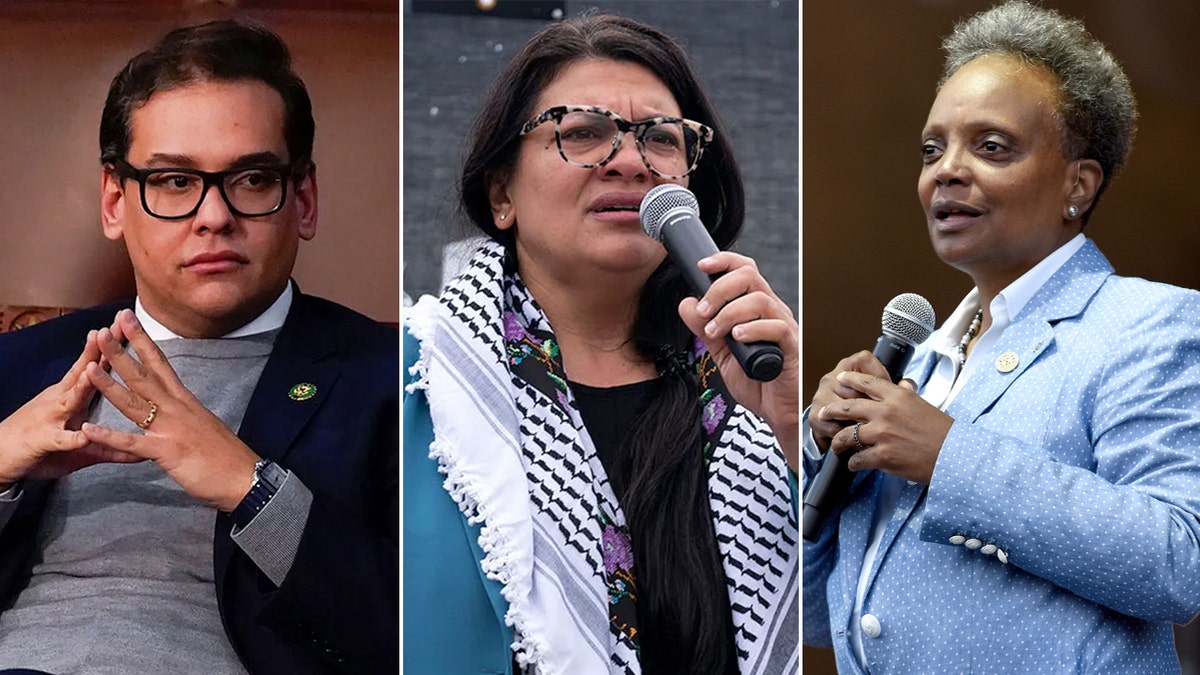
[(268, 476)]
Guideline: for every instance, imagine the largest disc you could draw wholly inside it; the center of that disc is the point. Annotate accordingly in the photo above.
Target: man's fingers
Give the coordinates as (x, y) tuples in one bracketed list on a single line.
[(90, 353), (133, 406), (79, 394), (65, 440), (135, 375), (128, 444), (148, 352)]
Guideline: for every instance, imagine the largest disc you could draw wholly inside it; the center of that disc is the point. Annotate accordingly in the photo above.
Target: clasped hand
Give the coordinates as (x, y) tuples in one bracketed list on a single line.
[(49, 437), (899, 432)]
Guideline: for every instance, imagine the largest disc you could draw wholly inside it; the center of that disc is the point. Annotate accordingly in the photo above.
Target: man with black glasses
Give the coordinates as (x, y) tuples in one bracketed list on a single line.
[(203, 480)]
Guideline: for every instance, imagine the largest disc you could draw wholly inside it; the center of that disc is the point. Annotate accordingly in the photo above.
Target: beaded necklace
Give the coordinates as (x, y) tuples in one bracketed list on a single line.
[(968, 336)]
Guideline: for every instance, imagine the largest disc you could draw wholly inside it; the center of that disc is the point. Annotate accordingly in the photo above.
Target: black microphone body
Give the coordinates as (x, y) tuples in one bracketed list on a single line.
[(672, 217), (894, 350), (894, 353)]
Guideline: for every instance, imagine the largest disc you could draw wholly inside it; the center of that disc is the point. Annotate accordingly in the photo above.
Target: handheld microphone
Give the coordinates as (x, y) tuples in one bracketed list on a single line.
[(907, 321), (671, 215)]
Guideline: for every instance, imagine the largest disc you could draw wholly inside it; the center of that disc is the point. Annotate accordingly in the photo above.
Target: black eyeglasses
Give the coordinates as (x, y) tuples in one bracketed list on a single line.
[(175, 194), (588, 137)]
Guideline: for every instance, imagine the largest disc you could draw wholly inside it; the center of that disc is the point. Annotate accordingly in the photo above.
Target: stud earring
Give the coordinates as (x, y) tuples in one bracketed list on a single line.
[(503, 216), (1072, 211)]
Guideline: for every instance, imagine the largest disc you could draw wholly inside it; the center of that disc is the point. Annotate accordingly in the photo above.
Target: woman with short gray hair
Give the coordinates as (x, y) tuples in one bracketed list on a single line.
[(1029, 499), (1096, 107)]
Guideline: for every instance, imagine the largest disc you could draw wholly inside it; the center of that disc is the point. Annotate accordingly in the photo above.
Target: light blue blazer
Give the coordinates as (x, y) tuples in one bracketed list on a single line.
[(1080, 466)]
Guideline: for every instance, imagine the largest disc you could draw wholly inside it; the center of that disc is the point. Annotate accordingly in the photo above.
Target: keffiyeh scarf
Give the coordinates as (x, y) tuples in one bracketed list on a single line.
[(519, 463)]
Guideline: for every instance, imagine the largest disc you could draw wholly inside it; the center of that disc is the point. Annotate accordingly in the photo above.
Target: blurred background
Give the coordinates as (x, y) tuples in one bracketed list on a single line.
[(746, 54), (869, 72), (57, 59)]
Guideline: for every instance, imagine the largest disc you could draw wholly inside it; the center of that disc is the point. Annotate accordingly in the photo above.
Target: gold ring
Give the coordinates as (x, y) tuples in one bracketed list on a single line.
[(857, 442), (149, 418)]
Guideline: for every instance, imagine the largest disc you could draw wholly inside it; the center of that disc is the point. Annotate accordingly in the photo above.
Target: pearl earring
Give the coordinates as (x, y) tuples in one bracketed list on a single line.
[(505, 215), (1072, 211)]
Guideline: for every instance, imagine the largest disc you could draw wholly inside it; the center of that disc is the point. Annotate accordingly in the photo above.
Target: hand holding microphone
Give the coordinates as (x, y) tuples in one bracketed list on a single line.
[(750, 332), (671, 215), (908, 320)]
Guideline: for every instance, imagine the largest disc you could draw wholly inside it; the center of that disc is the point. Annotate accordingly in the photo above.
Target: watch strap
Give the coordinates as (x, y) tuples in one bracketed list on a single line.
[(268, 476)]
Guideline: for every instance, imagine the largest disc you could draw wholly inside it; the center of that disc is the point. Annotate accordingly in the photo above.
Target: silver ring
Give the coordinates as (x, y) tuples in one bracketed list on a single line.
[(858, 443)]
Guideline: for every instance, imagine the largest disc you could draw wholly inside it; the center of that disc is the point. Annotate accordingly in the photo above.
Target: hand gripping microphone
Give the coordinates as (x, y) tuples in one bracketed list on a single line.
[(671, 215), (907, 321)]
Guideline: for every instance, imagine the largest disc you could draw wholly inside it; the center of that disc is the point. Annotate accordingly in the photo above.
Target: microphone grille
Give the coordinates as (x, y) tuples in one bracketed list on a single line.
[(909, 317), (662, 200)]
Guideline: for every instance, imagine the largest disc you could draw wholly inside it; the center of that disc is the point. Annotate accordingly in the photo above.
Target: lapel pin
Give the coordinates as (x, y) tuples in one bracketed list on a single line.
[(302, 391), (1007, 361)]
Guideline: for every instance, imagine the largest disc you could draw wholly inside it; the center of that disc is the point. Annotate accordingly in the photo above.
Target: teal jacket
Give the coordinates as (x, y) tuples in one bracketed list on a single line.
[(453, 614)]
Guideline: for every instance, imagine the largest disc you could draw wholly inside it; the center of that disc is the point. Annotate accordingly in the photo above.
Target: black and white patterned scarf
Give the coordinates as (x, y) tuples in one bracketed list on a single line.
[(519, 462)]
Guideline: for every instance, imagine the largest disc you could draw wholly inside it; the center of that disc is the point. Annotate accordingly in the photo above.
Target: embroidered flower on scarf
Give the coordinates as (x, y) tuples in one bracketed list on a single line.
[(712, 410), (544, 371), (618, 555), (513, 330)]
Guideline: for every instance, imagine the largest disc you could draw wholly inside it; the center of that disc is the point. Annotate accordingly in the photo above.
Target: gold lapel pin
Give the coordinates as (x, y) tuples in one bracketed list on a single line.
[(1007, 361), (302, 391)]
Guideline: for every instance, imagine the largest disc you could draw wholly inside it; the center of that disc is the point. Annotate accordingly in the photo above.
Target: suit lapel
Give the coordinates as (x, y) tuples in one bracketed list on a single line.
[(1027, 340), (1065, 295), (294, 384), (906, 503), (55, 371)]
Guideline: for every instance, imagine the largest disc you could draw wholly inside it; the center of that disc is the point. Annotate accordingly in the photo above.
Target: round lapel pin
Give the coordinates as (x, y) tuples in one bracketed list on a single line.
[(1007, 361), (302, 391)]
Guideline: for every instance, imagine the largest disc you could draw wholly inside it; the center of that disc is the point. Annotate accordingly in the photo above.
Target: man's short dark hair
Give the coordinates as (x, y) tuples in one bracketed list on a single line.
[(222, 51)]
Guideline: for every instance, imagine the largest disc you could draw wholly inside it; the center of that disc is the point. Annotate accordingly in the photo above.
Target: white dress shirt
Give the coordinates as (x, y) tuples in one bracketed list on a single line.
[(271, 319)]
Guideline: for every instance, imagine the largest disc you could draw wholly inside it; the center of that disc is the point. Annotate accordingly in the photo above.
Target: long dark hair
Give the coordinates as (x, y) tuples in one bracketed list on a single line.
[(683, 604)]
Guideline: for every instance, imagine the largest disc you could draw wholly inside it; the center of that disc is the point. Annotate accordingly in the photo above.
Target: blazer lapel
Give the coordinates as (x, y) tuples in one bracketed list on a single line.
[(294, 384), (919, 372), (1065, 295), (55, 370)]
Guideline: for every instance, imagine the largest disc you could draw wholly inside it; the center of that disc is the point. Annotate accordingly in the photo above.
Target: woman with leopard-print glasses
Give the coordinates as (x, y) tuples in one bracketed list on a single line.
[(592, 483)]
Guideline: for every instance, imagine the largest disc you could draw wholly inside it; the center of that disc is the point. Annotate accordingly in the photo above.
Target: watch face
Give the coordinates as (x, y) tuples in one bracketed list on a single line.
[(272, 475)]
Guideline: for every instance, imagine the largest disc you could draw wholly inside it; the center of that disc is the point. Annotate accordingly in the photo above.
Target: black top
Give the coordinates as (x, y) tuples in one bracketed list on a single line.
[(609, 414)]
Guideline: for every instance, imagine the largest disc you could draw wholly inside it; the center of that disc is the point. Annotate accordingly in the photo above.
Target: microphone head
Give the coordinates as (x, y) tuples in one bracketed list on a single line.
[(661, 201), (909, 317)]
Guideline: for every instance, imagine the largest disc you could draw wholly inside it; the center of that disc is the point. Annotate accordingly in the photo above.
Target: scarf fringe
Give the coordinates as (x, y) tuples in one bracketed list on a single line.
[(500, 555), (498, 561)]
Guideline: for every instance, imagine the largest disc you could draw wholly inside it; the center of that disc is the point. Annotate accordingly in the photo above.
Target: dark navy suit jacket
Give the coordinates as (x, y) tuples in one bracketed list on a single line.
[(337, 610)]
